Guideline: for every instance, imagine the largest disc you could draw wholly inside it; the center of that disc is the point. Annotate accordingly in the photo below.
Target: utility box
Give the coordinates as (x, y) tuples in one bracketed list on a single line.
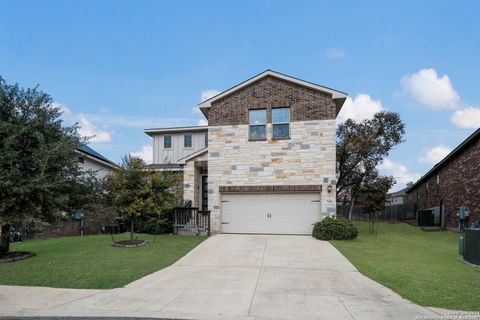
[(471, 250), (425, 218)]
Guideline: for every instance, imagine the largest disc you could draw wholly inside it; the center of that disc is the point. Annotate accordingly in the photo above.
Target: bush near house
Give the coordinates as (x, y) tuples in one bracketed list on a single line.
[(335, 229)]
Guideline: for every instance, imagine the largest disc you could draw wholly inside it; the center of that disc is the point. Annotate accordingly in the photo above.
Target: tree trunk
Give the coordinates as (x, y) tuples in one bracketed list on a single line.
[(350, 211), (5, 239), (131, 228)]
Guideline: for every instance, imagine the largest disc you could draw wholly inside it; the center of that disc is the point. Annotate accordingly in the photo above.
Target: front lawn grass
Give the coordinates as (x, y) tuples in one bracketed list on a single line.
[(91, 262), (423, 267)]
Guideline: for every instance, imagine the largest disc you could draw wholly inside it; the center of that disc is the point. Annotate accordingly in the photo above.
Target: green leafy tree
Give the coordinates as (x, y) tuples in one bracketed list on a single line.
[(137, 192), (361, 147), (39, 171)]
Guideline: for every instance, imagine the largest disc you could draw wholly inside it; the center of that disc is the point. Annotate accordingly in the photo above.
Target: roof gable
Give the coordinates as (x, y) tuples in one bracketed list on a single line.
[(336, 95)]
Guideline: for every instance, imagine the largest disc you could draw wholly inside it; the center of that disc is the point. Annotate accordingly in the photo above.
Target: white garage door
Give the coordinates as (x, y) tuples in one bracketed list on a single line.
[(277, 213)]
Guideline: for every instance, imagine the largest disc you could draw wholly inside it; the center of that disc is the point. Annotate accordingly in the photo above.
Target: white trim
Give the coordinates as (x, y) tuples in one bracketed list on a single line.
[(193, 155), (335, 94), (176, 129)]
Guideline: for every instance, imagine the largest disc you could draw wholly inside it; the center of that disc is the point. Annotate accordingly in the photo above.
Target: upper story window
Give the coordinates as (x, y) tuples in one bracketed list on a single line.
[(81, 160), (257, 124), (167, 142), (281, 123), (206, 139), (187, 141)]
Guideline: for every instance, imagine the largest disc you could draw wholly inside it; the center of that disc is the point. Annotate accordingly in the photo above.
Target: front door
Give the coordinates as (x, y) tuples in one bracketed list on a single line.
[(204, 193)]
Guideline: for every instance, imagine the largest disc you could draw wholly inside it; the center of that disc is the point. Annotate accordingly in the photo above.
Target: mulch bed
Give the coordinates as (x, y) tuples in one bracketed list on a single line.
[(432, 229), (130, 243), (16, 256)]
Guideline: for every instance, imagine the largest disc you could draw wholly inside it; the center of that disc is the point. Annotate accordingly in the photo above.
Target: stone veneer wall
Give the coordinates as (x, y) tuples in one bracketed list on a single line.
[(459, 183), (307, 158), (192, 181)]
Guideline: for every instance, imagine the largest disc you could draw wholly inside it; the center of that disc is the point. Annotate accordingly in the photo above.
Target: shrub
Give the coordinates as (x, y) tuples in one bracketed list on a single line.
[(149, 226), (335, 229)]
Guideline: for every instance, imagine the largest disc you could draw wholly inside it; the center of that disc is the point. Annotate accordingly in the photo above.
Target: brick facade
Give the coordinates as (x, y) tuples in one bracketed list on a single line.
[(458, 184), (269, 92)]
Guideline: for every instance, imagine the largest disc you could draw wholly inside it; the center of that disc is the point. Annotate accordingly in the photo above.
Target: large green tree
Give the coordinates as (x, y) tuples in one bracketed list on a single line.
[(135, 191), (361, 147), (39, 171)]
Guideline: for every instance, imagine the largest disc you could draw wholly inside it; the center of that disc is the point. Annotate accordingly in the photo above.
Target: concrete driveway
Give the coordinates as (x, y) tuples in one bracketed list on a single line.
[(232, 277)]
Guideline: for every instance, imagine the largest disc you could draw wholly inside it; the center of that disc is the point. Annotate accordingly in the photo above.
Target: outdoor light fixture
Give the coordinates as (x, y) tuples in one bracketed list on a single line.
[(329, 188)]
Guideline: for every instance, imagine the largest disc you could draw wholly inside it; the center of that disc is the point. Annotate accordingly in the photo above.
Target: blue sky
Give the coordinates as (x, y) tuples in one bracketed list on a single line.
[(121, 66)]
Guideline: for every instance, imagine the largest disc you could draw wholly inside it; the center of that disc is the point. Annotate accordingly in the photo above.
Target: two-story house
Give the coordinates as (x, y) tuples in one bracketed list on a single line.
[(452, 183), (266, 161), (91, 160)]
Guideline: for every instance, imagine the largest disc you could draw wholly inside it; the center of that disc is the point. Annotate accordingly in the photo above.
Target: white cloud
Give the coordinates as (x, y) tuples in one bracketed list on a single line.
[(146, 153), (435, 154), (335, 53), (63, 108), (468, 118), (427, 88), (207, 94), (360, 108), (88, 129), (196, 110), (401, 174), (202, 122), (138, 122)]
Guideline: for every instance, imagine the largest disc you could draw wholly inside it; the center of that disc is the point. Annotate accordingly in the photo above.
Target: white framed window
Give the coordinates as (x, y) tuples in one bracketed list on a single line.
[(187, 141), (167, 142), (281, 123), (206, 139), (257, 122)]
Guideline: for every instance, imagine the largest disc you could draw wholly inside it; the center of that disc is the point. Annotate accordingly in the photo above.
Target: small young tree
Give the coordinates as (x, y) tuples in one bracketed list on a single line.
[(135, 191), (376, 190), (38, 161)]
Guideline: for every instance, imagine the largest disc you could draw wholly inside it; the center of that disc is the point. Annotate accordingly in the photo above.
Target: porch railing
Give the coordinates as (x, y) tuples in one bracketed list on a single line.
[(191, 218)]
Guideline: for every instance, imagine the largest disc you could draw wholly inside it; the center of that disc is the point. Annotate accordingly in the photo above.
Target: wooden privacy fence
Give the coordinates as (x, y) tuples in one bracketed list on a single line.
[(394, 213)]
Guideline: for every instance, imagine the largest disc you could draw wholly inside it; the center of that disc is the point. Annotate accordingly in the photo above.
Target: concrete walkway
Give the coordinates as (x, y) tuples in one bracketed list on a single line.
[(232, 277)]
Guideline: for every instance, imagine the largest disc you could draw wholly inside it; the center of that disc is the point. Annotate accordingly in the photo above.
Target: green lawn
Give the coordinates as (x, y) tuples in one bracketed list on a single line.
[(91, 262), (423, 267)]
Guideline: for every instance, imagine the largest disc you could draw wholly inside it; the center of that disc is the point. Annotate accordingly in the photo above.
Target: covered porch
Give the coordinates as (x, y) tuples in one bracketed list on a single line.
[(195, 179)]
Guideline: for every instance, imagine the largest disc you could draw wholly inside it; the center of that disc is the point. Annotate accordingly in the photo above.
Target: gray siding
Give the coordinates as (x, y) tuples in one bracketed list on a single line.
[(177, 151)]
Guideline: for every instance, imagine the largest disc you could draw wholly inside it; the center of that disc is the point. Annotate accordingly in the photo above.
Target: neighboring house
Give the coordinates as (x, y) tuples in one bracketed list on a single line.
[(89, 159), (451, 183), (266, 161), (395, 198)]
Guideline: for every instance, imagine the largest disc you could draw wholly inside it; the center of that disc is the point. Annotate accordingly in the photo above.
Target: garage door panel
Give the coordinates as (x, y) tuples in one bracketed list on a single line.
[(276, 213)]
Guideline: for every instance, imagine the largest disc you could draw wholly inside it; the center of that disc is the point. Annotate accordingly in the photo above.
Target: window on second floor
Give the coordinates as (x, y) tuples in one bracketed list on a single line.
[(81, 160), (187, 141), (167, 142), (257, 124), (281, 123), (206, 139)]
